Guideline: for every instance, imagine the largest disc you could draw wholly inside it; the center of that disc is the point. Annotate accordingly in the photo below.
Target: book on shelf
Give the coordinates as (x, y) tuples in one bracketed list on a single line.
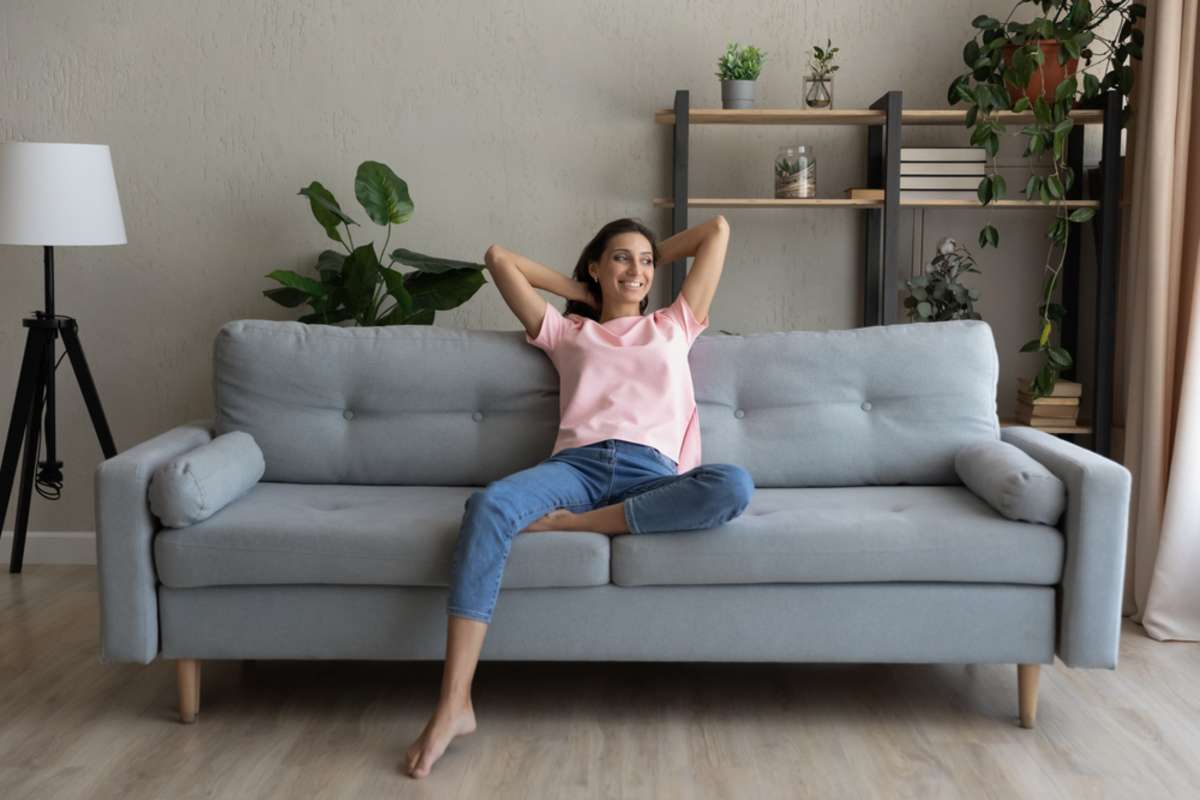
[(1059, 412), (964, 182), (976, 168), (1025, 397), (856, 193), (1062, 388), (943, 154), (1047, 422)]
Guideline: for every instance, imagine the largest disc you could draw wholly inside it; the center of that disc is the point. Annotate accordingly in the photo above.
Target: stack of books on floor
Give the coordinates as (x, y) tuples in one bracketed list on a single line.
[(1058, 410), (941, 173)]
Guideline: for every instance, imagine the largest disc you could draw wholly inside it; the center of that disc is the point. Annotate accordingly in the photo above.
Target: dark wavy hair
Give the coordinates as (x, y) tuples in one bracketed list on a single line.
[(593, 251)]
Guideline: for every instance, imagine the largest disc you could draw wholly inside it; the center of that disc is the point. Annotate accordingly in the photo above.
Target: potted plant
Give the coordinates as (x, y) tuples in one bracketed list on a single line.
[(355, 285), (1060, 32), (738, 69), (937, 295), (818, 85)]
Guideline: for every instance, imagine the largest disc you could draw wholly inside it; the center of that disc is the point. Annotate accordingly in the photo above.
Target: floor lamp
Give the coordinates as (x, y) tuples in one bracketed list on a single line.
[(51, 195)]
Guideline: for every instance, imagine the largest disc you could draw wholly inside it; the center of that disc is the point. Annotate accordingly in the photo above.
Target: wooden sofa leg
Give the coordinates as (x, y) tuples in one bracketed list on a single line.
[(188, 672), (1027, 689)]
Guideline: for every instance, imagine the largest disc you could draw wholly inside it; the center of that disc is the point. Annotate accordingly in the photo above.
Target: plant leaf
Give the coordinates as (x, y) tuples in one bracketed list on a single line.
[(287, 296), (426, 263), (445, 290), (296, 281), (396, 288), (1059, 357), (382, 193), (360, 276), (326, 210)]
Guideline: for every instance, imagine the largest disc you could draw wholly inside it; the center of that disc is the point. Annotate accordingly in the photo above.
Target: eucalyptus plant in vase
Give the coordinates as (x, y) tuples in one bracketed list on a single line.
[(818, 84), (1031, 67), (356, 284)]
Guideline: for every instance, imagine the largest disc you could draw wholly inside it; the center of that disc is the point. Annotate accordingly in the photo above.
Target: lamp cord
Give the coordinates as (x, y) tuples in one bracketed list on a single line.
[(49, 489)]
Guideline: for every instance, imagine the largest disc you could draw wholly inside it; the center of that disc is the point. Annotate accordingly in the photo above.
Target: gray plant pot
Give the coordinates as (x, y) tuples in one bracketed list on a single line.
[(737, 94)]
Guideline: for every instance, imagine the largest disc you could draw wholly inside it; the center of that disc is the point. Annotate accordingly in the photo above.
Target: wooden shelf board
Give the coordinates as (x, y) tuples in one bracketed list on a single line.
[(846, 202), (764, 202), (951, 116), (1080, 427), (848, 116), (1001, 204)]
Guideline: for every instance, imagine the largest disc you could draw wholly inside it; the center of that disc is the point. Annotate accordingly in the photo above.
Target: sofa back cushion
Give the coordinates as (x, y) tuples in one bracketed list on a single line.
[(425, 405)]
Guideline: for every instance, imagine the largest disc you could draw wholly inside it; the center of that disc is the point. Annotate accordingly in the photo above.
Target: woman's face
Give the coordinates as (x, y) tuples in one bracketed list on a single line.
[(625, 271)]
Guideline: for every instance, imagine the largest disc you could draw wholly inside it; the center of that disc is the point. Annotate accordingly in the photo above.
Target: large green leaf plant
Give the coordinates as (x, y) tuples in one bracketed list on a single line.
[(357, 284), (1078, 26)]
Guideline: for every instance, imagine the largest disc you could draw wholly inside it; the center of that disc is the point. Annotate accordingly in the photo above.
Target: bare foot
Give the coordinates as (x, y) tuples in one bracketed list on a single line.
[(557, 520), (441, 728)]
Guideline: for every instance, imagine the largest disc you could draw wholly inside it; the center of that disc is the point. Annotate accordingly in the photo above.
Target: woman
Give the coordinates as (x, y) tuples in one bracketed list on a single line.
[(626, 459)]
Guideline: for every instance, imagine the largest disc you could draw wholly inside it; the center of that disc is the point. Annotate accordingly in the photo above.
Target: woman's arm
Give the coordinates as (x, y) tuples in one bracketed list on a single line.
[(706, 243), (542, 277), (685, 244), (517, 286)]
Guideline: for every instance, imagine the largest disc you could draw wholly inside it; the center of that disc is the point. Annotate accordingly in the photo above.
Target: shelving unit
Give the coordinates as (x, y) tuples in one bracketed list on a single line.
[(885, 120)]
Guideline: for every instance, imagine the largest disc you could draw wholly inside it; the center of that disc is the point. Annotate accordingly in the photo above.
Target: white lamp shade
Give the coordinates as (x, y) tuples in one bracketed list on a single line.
[(58, 194)]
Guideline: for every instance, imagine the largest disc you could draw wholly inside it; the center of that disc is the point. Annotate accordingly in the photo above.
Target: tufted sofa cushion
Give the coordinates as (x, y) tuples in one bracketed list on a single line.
[(424, 405), (849, 534), (283, 533)]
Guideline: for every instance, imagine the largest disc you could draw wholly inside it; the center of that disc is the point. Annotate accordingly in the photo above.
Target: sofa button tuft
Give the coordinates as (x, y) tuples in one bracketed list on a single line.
[(866, 406), (478, 415), (348, 414), (739, 413)]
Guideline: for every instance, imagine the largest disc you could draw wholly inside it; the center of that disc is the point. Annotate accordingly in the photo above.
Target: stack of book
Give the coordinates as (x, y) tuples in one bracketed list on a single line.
[(1058, 410), (941, 173)]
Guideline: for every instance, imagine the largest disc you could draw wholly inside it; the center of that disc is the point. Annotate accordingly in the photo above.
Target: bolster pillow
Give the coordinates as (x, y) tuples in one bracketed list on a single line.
[(197, 484), (1011, 481)]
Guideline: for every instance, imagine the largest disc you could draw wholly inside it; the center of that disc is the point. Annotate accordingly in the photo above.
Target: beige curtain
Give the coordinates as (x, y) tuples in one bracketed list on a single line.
[(1159, 328)]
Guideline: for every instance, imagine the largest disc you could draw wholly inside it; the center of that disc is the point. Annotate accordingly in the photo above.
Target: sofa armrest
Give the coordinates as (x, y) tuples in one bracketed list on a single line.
[(125, 531), (1095, 528)]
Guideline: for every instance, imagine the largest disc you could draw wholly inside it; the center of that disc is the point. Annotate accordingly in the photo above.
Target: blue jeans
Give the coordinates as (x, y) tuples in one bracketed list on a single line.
[(580, 479)]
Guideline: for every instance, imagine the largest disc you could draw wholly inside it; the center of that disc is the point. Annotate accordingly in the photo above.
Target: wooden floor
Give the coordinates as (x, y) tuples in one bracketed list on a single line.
[(71, 727)]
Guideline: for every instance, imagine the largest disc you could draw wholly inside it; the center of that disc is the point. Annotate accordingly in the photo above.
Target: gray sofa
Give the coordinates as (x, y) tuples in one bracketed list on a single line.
[(860, 544)]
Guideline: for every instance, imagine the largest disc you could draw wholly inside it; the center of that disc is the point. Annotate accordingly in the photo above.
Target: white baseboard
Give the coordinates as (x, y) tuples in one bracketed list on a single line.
[(52, 547)]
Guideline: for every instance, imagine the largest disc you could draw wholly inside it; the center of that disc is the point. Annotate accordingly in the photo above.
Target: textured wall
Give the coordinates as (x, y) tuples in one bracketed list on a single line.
[(529, 124)]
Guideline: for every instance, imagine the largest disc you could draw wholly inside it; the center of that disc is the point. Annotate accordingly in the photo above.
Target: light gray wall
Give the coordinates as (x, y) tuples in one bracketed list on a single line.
[(529, 124)]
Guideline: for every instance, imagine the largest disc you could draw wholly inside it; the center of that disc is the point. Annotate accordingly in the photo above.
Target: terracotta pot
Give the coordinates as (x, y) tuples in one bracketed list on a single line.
[(1051, 72)]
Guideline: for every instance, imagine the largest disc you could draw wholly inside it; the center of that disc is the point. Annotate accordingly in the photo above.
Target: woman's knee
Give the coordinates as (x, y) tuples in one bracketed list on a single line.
[(490, 501), (738, 483)]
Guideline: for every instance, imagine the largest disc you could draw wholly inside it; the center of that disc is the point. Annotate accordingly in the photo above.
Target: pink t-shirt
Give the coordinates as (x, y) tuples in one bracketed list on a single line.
[(627, 378)]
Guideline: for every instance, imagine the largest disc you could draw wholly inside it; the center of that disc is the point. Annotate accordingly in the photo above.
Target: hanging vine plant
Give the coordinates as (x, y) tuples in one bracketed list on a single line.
[(1031, 67)]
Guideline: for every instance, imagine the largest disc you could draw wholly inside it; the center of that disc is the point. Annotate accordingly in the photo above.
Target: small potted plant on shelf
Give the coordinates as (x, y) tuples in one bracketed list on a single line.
[(738, 69), (937, 295), (355, 285), (1029, 67), (818, 84)]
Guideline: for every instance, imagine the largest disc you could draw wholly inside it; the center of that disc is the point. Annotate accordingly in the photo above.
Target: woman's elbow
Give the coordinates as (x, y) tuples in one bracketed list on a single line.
[(721, 224)]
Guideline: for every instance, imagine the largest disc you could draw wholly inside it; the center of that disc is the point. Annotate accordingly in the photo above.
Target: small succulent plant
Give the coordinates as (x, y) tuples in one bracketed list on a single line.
[(785, 167)]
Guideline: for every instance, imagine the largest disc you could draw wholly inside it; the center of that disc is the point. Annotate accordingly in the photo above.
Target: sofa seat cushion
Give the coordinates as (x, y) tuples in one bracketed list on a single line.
[(848, 534), (284, 533)]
